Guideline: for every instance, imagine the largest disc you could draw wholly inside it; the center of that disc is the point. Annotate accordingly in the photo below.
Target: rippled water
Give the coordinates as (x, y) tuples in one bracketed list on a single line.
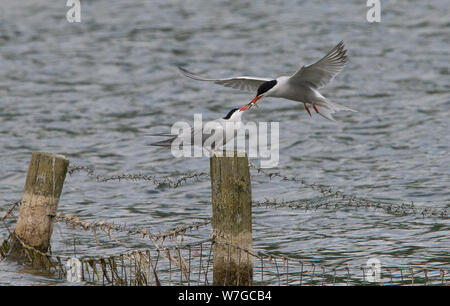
[(92, 90)]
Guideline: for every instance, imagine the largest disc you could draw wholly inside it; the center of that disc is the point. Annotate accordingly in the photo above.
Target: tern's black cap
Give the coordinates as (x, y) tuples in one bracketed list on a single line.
[(266, 86), (230, 113)]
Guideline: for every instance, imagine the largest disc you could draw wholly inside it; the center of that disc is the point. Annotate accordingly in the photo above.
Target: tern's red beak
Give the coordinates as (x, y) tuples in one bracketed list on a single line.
[(243, 108), (256, 99)]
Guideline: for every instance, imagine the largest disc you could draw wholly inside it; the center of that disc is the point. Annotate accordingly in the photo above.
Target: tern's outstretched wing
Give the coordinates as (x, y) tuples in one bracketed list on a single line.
[(164, 143), (323, 71), (211, 134), (244, 83), (186, 139)]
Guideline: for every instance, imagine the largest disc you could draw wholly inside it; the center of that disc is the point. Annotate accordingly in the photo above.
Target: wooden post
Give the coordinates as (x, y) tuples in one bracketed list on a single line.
[(232, 220), (43, 186)]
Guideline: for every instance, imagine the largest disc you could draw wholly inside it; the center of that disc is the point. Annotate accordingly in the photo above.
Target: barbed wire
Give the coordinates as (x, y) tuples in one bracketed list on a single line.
[(107, 227), (350, 200), (139, 260), (395, 209), (299, 267), (11, 208), (157, 239), (158, 181), (269, 268), (269, 271)]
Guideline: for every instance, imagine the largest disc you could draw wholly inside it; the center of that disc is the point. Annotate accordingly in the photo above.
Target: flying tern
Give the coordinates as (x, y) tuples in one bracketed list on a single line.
[(302, 86)]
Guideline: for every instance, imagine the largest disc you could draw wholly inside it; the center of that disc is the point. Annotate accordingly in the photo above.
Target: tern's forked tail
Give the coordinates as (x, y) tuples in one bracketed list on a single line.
[(327, 109)]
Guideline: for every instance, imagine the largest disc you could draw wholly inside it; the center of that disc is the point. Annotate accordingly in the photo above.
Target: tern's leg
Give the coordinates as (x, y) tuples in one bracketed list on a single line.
[(307, 109), (315, 108)]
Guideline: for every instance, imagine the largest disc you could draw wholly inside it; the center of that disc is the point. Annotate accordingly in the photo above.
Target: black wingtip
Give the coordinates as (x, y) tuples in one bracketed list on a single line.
[(159, 134), (158, 145), (181, 68)]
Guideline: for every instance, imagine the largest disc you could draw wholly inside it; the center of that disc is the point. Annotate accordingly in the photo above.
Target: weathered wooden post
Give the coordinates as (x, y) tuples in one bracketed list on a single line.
[(43, 186), (232, 220)]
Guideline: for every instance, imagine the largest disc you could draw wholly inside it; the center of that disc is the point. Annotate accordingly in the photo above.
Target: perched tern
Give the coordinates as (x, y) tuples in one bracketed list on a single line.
[(213, 134), (302, 86)]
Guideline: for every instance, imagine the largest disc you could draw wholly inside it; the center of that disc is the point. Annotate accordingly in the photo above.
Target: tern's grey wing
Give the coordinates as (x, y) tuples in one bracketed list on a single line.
[(164, 143), (161, 134), (195, 137), (244, 83), (323, 71)]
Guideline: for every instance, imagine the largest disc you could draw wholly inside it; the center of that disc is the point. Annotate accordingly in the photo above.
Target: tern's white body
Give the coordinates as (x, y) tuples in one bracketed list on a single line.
[(212, 135), (302, 86)]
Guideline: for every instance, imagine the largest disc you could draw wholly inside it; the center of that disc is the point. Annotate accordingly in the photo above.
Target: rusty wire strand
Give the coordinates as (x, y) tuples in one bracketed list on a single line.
[(156, 239), (107, 227), (11, 208)]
